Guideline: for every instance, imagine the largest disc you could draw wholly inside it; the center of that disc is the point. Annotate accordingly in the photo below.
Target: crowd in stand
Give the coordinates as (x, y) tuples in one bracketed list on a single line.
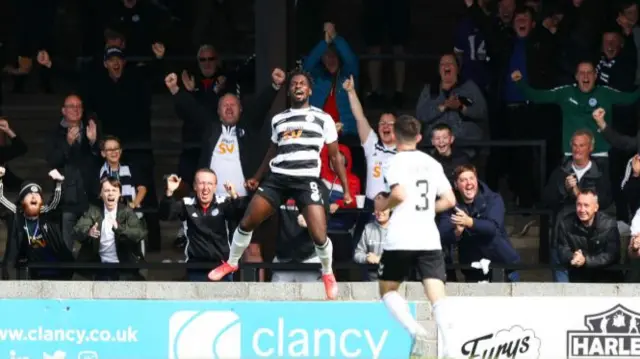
[(563, 72)]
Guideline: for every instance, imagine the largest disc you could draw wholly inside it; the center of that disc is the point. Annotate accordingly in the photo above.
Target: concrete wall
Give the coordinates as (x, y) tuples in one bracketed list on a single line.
[(296, 292)]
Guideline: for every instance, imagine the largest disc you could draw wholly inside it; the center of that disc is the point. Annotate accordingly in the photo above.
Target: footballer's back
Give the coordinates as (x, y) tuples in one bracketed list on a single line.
[(412, 224)]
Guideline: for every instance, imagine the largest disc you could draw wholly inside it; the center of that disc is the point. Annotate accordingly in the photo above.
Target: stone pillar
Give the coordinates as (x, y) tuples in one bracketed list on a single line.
[(271, 42)]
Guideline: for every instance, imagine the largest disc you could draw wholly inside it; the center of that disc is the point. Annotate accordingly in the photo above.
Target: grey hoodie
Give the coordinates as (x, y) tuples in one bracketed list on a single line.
[(465, 127), (370, 242)]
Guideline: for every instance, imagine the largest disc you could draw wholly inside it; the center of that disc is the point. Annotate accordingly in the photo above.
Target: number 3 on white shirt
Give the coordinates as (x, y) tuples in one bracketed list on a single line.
[(423, 188)]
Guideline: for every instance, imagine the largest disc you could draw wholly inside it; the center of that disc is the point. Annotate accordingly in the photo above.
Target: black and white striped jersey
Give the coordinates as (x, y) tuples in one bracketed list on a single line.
[(300, 135)]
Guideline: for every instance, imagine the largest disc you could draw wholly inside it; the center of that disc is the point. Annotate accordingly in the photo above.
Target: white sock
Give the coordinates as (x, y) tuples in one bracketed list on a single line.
[(325, 253), (241, 240), (445, 325), (399, 308)]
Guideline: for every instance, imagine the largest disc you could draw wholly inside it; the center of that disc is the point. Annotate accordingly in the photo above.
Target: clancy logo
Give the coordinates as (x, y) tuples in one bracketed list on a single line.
[(204, 335), (513, 343), (218, 335)]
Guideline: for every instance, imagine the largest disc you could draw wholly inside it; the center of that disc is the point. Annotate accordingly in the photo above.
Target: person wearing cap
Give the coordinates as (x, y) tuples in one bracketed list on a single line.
[(36, 236), (120, 95)]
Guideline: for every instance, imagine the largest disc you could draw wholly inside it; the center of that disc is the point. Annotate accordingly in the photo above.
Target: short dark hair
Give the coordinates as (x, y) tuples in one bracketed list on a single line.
[(525, 10), (299, 72), (440, 127), (406, 128), (383, 194), (586, 191), (204, 170), (464, 168), (112, 34), (72, 94), (109, 138), (586, 62), (115, 182), (456, 57)]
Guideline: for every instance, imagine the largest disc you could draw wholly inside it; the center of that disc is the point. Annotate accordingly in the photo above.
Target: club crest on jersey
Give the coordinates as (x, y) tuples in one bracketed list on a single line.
[(215, 212), (593, 102), (310, 118)]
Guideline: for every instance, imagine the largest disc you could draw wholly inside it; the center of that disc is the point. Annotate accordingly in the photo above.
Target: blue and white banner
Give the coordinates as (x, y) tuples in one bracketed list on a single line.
[(154, 329)]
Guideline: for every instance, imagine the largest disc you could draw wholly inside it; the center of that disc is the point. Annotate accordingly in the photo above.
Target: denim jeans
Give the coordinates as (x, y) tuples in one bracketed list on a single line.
[(559, 275)]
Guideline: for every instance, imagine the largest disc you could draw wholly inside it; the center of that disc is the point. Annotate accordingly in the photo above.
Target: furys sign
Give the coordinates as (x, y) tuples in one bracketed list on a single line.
[(513, 343)]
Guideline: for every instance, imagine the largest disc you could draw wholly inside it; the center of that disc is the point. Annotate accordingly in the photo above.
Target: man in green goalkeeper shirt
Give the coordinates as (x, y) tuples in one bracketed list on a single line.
[(578, 101)]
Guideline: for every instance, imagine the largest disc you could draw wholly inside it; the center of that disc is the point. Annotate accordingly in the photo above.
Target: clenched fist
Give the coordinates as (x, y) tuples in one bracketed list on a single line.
[(171, 81), (598, 116), (278, 77), (516, 76), (158, 50), (44, 59), (329, 32), (173, 182)]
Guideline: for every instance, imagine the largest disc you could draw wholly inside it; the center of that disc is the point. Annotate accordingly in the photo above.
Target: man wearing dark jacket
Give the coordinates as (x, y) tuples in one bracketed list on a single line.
[(476, 225), (588, 242), (207, 85), (205, 220), (35, 235), (74, 151), (110, 233), (120, 95), (230, 135), (576, 173)]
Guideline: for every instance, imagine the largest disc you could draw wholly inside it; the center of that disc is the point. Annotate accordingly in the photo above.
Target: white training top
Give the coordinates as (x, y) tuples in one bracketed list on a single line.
[(377, 155), (412, 224)]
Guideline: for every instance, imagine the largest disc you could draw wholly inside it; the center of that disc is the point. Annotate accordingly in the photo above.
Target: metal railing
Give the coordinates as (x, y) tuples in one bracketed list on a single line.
[(497, 271)]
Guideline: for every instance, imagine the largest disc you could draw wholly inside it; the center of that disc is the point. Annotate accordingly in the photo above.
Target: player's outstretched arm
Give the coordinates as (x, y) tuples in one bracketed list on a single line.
[(334, 157), (446, 201)]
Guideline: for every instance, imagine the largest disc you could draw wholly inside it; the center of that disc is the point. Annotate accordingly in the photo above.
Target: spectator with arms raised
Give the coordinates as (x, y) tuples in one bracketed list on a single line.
[(35, 234), (378, 146), (330, 63)]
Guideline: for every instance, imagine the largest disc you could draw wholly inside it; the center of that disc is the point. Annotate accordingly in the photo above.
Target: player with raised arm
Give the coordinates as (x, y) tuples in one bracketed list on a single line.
[(298, 135), (419, 189)]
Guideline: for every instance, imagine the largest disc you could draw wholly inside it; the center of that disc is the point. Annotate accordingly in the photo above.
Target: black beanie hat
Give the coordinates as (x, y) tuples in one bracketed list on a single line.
[(29, 187)]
